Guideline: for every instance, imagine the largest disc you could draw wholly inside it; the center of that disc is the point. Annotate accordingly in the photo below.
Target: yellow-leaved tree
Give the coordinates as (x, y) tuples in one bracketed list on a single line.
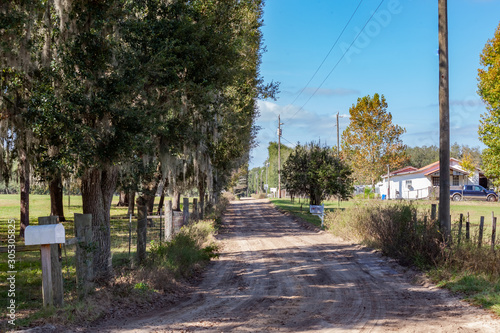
[(468, 163), (489, 90), (371, 142)]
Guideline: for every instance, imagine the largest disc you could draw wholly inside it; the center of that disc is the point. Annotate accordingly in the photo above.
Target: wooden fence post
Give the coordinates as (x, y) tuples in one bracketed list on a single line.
[(415, 222), (169, 220), (161, 224), (129, 233), (467, 227), (493, 231), (201, 208), (195, 209), (55, 264), (47, 290), (84, 254), (433, 212), (142, 225), (185, 211), (481, 229), (460, 229), (424, 234)]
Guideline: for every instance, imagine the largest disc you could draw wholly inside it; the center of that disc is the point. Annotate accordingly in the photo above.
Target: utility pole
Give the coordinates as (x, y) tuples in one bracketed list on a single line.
[(261, 181), (279, 156), (267, 175), (388, 182), (444, 124), (256, 182), (338, 136)]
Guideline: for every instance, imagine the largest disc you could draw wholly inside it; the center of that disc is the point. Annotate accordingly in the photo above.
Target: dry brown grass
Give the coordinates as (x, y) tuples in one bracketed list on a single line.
[(462, 266), (391, 228)]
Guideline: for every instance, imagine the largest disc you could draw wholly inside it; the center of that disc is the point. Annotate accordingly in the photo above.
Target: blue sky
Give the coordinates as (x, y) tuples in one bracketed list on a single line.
[(394, 55)]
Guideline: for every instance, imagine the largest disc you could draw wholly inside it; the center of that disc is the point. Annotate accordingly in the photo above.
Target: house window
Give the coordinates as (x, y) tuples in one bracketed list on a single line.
[(435, 181), (456, 181), (408, 183)]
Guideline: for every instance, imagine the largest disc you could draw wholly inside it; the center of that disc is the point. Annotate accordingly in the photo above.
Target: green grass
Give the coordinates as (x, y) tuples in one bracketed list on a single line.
[(478, 289), (301, 209), (476, 209), (39, 206), (28, 276)]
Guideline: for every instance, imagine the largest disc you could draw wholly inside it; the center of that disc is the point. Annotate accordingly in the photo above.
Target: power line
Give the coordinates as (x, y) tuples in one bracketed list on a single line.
[(294, 145), (338, 62), (328, 54)]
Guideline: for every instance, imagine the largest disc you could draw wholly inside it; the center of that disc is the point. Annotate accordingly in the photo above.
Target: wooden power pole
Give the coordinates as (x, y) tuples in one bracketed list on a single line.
[(444, 124), (279, 156), (338, 137)]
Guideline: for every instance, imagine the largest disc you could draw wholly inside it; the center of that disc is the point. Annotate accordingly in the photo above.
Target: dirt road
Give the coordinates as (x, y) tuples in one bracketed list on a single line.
[(275, 275)]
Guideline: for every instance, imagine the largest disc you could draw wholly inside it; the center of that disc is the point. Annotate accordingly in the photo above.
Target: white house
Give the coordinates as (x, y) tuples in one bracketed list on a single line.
[(413, 183)]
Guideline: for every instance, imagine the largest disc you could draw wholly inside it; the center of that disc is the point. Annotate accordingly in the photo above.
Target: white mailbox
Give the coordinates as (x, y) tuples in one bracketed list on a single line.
[(44, 234), (318, 211)]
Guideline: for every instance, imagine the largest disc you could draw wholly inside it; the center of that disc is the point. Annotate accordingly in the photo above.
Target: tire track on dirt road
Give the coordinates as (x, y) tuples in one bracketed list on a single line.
[(275, 275)]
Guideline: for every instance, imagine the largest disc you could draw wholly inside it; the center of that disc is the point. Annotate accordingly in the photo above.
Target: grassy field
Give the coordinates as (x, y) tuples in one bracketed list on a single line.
[(40, 206), (28, 278), (475, 209)]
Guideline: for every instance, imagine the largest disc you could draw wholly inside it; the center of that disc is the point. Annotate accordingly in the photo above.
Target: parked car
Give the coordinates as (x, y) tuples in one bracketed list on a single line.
[(473, 192)]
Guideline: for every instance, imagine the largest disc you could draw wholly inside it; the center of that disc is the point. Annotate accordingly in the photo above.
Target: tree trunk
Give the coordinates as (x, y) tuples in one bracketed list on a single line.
[(24, 180), (131, 203), (162, 200), (98, 186), (150, 203), (314, 198), (152, 189), (123, 200), (56, 197), (201, 193), (176, 200)]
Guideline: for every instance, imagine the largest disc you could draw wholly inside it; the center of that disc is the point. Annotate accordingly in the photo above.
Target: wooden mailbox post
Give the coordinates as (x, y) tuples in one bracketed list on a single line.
[(45, 235)]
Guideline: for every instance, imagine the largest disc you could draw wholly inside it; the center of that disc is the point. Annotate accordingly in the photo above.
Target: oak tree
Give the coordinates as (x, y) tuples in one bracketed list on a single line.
[(317, 172)]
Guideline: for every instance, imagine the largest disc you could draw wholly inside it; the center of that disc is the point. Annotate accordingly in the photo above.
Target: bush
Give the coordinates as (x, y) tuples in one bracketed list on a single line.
[(395, 229), (229, 196), (188, 251)]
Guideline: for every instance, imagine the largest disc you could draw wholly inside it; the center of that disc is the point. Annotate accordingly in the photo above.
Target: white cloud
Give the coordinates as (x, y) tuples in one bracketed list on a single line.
[(300, 125)]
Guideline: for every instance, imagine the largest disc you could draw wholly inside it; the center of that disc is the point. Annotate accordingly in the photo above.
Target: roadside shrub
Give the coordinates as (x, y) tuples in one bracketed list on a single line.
[(369, 193), (348, 224), (221, 206), (229, 196), (259, 196), (187, 252), (395, 229)]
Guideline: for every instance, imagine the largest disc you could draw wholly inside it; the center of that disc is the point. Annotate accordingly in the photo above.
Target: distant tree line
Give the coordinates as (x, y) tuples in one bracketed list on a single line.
[(419, 157), (257, 176)]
